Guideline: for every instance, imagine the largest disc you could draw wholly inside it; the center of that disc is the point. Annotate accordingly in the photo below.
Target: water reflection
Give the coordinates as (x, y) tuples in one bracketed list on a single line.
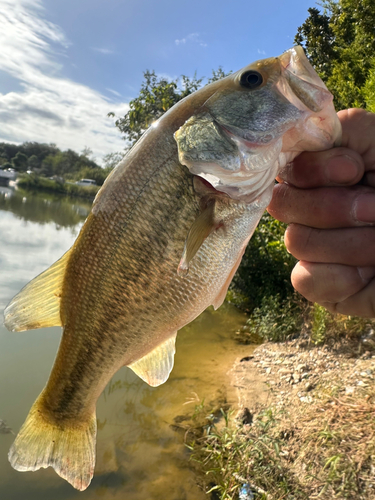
[(139, 455), (45, 208)]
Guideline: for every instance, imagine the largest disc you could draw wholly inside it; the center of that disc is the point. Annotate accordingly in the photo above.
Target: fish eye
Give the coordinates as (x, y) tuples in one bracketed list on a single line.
[(251, 79)]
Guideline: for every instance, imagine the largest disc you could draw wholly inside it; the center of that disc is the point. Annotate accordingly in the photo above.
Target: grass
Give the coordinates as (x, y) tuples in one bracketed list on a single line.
[(277, 320), (324, 450), (35, 183)]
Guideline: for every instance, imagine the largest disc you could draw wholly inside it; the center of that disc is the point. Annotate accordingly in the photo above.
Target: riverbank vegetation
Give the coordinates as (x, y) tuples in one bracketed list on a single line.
[(315, 439), (33, 182), (44, 167)]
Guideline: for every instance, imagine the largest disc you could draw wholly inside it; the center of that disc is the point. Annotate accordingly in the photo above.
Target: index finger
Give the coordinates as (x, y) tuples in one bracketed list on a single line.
[(343, 166), (333, 167)]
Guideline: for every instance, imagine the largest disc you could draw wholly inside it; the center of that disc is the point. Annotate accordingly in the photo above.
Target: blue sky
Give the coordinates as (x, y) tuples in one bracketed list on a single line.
[(64, 64)]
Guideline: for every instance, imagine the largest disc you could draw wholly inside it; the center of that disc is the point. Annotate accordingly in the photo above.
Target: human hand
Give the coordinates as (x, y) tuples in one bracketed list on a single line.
[(328, 198)]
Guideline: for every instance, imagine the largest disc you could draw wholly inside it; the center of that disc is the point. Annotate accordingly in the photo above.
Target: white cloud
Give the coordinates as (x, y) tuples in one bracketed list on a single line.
[(114, 92), (262, 52), (48, 107), (193, 38), (103, 51)]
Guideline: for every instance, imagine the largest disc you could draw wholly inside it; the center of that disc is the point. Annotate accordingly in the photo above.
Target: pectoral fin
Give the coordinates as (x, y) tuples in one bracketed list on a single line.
[(37, 305), (155, 367), (204, 224)]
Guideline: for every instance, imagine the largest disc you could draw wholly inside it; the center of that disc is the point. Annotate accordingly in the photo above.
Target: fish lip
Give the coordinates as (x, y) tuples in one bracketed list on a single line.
[(303, 83)]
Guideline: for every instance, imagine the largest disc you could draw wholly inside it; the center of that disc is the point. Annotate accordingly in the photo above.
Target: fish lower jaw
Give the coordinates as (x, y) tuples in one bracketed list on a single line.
[(247, 187)]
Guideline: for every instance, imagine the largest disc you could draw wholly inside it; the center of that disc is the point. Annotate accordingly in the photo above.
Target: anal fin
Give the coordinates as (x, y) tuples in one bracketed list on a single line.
[(155, 367), (37, 305)]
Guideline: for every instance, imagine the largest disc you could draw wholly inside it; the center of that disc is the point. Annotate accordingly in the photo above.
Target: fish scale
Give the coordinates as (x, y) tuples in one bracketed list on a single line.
[(165, 236)]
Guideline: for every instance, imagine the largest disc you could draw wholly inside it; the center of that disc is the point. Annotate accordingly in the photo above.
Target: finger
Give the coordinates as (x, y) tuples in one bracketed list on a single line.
[(352, 247), (358, 132), (368, 179), (334, 167), (330, 283), (360, 304), (328, 207)]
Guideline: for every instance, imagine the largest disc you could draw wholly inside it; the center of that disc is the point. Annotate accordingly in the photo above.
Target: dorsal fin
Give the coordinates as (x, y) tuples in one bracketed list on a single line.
[(155, 367), (37, 305)]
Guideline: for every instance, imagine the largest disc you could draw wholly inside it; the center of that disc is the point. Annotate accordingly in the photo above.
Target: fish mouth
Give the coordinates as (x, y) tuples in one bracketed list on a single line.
[(301, 83), (303, 87)]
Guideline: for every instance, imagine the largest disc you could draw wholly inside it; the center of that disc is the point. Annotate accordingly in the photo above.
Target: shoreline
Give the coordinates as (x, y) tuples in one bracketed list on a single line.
[(305, 427)]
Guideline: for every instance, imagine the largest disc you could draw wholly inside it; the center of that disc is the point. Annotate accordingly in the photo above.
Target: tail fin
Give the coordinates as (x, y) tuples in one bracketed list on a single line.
[(69, 448)]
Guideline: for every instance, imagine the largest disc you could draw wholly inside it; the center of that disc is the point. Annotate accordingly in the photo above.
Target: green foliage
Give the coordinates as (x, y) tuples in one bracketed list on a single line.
[(318, 330), (36, 183), (369, 88), (317, 37), (274, 320), (324, 450), (112, 159), (326, 327), (218, 74), (51, 207), (156, 96), (47, 160), (33, 162), (20, 162), (231, 456), (340, 44), (6, 165)]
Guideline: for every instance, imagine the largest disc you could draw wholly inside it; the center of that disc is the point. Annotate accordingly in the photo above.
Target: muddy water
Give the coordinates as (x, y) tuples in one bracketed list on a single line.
[(139, 455)]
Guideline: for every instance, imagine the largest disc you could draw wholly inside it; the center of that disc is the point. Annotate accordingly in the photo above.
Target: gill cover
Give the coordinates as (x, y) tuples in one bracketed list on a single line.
[(262, 118)]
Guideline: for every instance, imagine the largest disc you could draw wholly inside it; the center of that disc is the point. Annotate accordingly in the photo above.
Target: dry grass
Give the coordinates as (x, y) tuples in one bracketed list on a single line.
[(332, 445), (325, 449)]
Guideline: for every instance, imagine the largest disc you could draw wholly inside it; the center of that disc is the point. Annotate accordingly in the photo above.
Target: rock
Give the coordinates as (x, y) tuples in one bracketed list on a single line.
[(302, 368), (285, 371), (246, 358), (362, 384), (349, 390), (245, 417)]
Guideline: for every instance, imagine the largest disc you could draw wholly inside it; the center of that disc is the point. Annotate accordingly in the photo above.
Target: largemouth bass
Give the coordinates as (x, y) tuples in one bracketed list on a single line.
[(165, 236)]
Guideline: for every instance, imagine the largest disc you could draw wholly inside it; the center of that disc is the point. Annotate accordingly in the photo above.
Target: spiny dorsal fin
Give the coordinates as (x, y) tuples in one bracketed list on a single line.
[(155, 367), (37, 305), (202, 227)]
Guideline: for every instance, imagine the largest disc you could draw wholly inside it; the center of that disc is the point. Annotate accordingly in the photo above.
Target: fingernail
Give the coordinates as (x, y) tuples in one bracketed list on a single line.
[(364, 208), (342, 169), (366, 273)]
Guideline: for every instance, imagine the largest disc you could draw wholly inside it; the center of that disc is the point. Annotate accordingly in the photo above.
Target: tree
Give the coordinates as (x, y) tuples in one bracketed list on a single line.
[(33, 162), (156, 96), (20, 162), (110, 160), (318, 40), (340, 43)]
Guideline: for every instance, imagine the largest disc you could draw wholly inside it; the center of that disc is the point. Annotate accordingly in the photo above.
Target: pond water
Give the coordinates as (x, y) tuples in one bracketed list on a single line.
[(139, 455)]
